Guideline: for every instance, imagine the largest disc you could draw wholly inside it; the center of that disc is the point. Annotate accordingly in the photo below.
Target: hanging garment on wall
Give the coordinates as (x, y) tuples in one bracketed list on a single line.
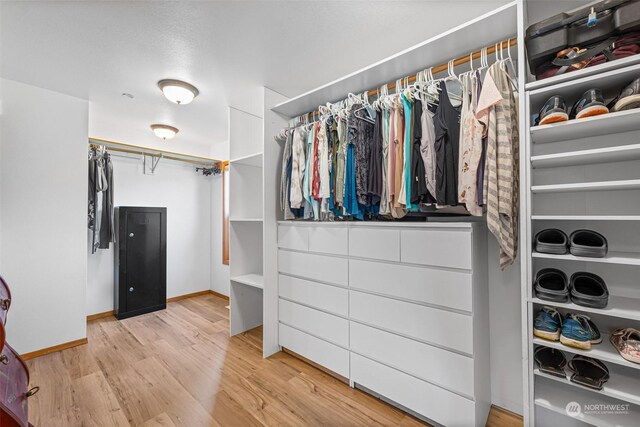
[(497, 110), (100, 200)]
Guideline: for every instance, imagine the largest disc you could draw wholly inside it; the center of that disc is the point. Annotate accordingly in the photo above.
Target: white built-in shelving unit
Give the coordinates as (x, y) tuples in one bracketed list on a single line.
[(246, 214), (583, 174)]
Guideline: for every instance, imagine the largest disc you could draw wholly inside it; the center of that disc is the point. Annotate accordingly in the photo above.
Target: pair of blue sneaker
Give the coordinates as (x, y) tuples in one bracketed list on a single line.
[(576, 330)]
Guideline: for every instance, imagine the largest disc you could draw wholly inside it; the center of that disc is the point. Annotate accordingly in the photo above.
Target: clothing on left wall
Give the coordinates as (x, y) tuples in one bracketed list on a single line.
[(100, 199)]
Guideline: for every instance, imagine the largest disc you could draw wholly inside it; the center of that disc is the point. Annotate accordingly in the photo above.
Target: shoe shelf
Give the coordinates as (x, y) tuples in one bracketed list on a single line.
[(613, 257), (605, 124), (556, 399), (628, 184), (621, 307), (603, 351), (585, 217), (621, 153), (254, 280), (619, 386)]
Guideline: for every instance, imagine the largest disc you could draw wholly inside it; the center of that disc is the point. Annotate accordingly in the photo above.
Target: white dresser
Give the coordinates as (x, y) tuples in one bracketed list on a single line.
[(398, 309)]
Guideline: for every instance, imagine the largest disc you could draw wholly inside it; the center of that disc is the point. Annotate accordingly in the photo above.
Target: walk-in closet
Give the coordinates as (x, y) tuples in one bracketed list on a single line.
[(320, 213)]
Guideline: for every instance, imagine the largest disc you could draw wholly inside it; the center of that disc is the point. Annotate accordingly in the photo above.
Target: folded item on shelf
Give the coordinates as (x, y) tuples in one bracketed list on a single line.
[(588, 372), (589, 290), (550, 361), (588, 243), (552, 284), (551, 241)]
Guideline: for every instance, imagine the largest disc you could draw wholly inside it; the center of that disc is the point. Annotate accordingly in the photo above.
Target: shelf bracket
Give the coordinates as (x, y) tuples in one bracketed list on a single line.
[(153, 165)]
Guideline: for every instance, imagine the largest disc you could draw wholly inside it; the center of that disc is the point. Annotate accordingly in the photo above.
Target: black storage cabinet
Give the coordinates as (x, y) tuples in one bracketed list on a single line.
[(140, 260)]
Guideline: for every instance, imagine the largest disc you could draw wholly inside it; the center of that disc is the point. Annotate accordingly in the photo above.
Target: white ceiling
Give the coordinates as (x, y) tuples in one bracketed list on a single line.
[(98, 50)]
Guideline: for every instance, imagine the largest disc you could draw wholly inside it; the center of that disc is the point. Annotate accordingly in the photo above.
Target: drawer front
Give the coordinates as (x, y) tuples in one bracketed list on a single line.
[(321, 268), (428, 285), (430, 401), (441, 367), (329, 240), (293, 237), (432, 325), (444, 248), (321, 352), (323, 297), (322, 325), (374, 243)]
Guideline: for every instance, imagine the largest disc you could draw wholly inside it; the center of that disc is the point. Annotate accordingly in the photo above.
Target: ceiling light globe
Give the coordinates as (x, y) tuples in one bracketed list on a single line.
[(164, 131), (177, 91)]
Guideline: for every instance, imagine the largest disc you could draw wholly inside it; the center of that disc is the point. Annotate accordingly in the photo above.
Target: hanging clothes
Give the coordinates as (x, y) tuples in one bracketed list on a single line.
[(428, 151), (447, 127), (419, 193), (285, 178), (341, 160), (100, 201), (374, 184), (298, 161), (471, 131), (384, 195), (497, 110), (363, 128)]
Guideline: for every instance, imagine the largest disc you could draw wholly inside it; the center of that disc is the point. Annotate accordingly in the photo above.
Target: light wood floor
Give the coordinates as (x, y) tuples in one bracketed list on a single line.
[(179, 367)]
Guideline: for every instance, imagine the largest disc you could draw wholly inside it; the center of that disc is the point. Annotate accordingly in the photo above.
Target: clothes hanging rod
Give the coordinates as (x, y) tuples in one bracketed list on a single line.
[(154, 152), (505, 44)]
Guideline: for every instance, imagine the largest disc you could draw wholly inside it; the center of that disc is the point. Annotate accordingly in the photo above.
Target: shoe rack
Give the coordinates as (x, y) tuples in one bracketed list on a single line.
[(584, 174)]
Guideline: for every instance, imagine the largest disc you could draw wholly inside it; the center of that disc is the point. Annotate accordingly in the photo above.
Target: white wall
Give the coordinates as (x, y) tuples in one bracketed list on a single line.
[(505, 332), (219, 271), (187, 196), (43, 175)]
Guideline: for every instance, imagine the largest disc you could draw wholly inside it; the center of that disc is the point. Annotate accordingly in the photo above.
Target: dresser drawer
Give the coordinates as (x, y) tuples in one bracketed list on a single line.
[(328, 240), (441, 367), (321, 352), (323, 297), (442, 406), (293, 237), (445, 288), (444, 248), (432, 325), (322, 325), (375, 243), (322, 268)]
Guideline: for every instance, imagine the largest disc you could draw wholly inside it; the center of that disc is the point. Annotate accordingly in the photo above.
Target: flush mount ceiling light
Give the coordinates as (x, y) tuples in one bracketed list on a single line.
[(177, 91), (164, 131)]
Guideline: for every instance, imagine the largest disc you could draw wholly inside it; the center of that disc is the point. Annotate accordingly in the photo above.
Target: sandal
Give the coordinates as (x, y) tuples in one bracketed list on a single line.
[(588, 243), (627, 342), (550, 361), (589, 290), (588, 372), (551, 241), (551, 285)]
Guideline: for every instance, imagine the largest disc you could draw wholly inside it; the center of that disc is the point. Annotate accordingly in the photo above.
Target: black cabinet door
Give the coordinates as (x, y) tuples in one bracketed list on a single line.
[(142, 260)]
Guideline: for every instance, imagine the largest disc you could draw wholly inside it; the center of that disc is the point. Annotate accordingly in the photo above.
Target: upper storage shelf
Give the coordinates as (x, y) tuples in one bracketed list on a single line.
[(492, 27)]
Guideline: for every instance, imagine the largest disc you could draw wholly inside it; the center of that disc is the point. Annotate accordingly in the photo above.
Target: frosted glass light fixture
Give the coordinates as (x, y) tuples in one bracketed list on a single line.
[(177, 91), (164, 131)]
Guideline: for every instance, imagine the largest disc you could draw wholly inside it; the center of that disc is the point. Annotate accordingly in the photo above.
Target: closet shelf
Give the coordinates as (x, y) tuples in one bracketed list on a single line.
[(618, 306), (586, 217), (484, 30), (556, 399), (250, 160), (630, 184), (624, 258), (620, 386), (245, 219), (564, 79), (603, 351), (606, 124), (254, 280), (585, 157)]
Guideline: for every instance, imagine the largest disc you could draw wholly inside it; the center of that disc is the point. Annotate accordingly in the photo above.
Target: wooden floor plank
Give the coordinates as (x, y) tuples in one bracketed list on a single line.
[(179, 367)]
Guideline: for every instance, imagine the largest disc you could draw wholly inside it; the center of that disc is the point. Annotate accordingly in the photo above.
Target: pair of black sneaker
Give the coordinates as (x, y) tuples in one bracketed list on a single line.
[(591, 103)]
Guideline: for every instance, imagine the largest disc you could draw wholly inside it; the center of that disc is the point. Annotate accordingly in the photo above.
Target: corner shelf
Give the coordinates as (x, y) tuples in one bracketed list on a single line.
[(254, 160), (613, 257), (630, 184), (622, 307), (254, 280), (621, 153), (603, 351), (605, 124), (245, 219), (585, 217)]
